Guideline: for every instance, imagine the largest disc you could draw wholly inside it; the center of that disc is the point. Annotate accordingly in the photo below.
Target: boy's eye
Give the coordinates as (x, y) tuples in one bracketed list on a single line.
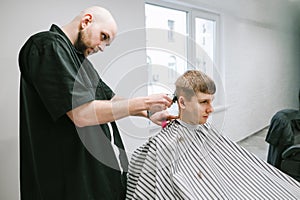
[(203, 101)]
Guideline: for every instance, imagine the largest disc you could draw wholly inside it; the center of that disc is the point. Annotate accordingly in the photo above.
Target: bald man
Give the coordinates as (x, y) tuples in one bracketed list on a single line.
[(70, 146)]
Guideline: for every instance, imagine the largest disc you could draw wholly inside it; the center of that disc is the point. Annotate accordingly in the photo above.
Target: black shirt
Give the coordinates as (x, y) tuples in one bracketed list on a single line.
[(281, 134), (59, 161)]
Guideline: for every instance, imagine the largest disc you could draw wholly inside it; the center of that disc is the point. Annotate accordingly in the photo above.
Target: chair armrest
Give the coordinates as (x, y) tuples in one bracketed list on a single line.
[(290, 151)]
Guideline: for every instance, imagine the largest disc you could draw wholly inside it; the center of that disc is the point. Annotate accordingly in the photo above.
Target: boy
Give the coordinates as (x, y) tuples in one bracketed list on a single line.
[(189, 160)]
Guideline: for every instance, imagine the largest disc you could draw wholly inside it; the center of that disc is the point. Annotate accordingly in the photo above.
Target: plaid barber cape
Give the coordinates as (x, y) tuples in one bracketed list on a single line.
[(195, 162)]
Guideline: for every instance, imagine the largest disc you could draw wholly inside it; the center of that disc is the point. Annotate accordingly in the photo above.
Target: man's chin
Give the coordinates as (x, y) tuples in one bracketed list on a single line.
[(89, 52)]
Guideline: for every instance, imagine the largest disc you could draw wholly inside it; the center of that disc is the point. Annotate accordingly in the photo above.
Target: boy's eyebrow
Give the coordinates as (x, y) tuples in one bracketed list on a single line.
[(203, 99)]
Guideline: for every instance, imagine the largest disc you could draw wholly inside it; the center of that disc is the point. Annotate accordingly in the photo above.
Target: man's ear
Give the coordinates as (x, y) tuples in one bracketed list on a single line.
[(87, 18)]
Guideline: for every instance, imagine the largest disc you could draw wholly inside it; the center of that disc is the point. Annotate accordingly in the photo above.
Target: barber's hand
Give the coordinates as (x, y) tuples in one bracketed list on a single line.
[(158, 102), (161, 117)]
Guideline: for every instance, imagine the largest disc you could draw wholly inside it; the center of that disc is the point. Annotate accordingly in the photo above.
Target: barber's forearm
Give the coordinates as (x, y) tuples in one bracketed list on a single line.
[(91, 113), (100, 111), (134, 112), (124, 108), (119, 109), (137, 112)]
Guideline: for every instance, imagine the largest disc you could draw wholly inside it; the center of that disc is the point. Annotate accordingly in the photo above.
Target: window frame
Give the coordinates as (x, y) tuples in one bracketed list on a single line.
[(192, 13)]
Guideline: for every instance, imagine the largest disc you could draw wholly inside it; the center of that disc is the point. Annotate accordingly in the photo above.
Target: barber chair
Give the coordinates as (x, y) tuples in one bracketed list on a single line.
[(290, 163), (284, 142)]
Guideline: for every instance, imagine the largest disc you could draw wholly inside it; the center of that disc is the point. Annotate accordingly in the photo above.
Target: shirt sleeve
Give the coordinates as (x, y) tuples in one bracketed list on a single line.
[(58, 76), (106, 89)]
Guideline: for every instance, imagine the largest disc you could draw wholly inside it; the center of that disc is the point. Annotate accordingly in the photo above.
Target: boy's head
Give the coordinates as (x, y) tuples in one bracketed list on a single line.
[(195, 92)]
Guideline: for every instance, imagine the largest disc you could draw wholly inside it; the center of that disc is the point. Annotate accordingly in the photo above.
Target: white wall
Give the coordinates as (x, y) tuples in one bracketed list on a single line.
[(259, 58), (259, 53), (23, 18)]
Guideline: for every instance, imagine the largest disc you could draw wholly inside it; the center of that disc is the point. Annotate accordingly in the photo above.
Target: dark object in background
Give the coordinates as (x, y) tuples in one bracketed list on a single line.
[(284, 142), (291, 156)]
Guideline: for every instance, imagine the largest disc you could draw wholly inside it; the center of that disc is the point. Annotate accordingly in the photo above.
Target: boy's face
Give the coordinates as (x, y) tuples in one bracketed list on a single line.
[(197, 109)]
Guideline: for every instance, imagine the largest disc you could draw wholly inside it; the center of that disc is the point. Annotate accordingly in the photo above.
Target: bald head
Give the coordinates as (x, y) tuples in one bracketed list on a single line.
[(99, 15), (91, 30)]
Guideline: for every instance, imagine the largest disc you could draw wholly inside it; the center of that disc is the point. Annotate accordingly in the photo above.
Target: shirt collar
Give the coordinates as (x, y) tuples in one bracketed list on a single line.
[(56, 29), (189, 126)]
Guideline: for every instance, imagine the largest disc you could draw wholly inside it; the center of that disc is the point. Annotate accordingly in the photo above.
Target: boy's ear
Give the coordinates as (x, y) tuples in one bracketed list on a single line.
[(181, 103)]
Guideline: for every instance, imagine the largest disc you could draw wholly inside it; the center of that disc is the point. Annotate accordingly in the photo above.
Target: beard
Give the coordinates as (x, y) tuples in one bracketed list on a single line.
[(79, 44)]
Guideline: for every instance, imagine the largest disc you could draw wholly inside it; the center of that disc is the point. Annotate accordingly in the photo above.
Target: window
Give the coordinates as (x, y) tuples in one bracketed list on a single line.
[(166, 31), (204, 36), (179, 39)]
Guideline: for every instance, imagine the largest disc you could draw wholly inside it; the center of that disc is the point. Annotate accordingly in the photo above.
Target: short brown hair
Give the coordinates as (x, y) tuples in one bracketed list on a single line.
[(192, 82)]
